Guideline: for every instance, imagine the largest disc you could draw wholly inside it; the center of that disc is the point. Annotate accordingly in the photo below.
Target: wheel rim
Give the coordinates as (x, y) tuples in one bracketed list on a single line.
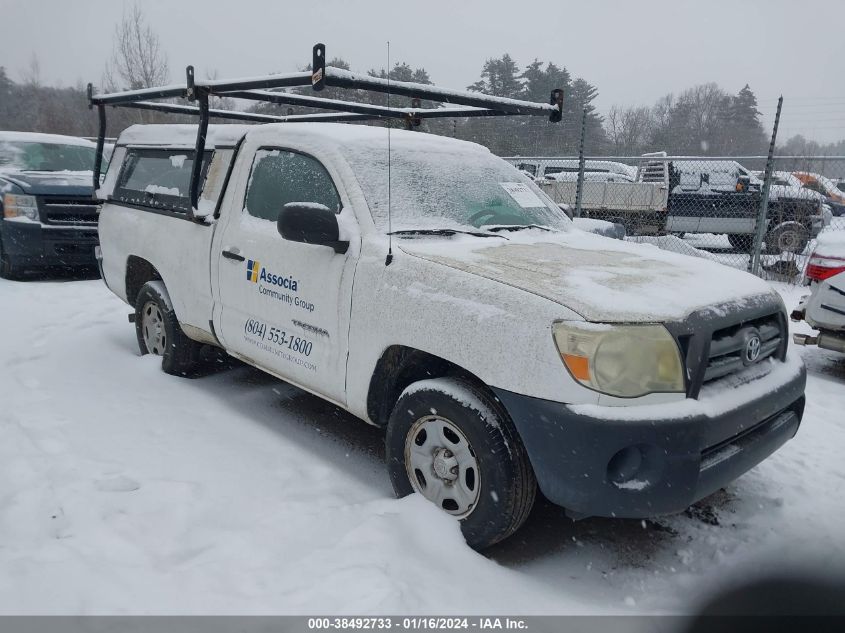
[(441, 465), (789, 241), (152, 326)]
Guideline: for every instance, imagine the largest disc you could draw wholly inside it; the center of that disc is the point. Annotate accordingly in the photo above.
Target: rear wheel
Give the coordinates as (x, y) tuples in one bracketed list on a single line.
[(741, 242), (453, 443), (159, 333)]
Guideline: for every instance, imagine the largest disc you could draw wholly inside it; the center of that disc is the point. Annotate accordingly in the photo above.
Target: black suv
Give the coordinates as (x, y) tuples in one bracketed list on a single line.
[(49, 216)]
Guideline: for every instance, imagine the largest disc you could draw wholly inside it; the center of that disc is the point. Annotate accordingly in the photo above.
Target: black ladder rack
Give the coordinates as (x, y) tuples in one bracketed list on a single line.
[(463, 104)]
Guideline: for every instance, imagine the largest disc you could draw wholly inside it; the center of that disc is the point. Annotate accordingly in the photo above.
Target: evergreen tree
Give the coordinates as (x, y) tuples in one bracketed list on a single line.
[(499, 77)]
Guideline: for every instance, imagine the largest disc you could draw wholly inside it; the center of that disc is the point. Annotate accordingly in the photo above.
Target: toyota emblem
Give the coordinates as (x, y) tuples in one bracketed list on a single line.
[(752, 349)]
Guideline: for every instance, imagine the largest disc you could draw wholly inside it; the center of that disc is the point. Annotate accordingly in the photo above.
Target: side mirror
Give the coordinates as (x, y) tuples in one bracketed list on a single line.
[(311, 223)]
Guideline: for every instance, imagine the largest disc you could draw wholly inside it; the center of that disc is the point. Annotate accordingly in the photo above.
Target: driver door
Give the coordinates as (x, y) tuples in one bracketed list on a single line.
[(284, 305)]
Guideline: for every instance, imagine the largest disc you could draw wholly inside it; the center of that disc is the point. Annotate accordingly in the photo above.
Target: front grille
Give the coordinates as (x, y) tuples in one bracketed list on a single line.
[(64, 211), (734, 347)]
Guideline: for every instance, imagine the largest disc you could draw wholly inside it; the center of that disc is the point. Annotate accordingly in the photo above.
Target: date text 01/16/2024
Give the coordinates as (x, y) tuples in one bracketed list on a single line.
[(278, 337)]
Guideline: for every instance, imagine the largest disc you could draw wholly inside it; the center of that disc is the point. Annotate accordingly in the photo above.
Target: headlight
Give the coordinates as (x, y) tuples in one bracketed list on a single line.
[(15, 206), (620, 360)]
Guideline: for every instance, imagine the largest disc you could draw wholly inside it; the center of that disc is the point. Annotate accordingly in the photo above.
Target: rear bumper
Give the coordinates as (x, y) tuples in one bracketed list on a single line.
[(643, 466), (30, 244)]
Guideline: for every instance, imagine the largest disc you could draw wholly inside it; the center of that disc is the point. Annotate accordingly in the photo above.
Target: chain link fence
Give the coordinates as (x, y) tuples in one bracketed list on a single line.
[(706, 206)]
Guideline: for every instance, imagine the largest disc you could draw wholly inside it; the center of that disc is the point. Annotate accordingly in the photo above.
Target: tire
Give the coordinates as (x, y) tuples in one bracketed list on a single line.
[(7, 269), (485, 479), (787, 237), (741, 242), (159, 332)]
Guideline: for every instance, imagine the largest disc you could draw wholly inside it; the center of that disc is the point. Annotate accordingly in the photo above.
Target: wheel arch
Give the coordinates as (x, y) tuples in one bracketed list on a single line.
[(400, 366), (138, 272)]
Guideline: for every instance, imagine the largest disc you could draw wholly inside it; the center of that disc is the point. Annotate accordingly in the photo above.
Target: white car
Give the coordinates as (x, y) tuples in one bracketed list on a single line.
[(824, 308), (456, 306)]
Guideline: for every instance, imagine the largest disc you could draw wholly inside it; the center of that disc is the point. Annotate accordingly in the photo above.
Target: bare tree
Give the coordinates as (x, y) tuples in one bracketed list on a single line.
[(31, 75), (137, 60), (629, 129)]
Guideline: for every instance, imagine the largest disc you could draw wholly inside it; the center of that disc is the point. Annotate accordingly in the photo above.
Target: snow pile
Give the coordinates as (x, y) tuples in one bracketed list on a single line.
[(124, 490), (831, 242)]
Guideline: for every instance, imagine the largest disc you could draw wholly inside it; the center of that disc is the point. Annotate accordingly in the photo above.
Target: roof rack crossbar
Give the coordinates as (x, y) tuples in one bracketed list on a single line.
[(288, 80), (376, 111), (339, 78), (129, 96)]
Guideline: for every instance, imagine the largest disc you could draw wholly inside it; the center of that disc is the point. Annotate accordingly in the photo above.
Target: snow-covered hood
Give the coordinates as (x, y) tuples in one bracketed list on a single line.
[(599, 278), (797, 193), (69, 183)]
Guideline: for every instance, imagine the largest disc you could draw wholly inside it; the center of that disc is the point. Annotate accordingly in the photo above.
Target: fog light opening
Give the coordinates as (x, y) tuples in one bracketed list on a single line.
[(625, 469)]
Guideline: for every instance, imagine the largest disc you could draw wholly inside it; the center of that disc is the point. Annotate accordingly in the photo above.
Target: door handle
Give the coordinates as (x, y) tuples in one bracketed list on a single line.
[(233, 254)]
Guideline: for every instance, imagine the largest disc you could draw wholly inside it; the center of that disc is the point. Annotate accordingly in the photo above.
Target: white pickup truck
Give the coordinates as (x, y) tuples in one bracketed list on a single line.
[(439, 294)]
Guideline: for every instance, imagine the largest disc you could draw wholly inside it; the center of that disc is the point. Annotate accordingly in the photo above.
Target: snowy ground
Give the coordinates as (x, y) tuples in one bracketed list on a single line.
[(123, 490)]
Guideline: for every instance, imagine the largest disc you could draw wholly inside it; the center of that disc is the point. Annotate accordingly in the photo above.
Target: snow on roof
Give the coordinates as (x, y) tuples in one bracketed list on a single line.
[(348, 136), (37, 137), (182, 135), (338, 135)]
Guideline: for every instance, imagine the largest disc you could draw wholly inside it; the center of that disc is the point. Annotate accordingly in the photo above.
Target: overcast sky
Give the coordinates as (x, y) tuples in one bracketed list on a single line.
[(633, 51)]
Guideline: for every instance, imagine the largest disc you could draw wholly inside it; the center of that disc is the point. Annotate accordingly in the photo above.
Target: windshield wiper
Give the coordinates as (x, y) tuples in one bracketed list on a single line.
[(516, 227), (444, 232)]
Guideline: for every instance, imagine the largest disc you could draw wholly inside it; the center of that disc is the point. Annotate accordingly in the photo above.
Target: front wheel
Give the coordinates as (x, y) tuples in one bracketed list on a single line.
[(787, 237), (454, 444), (159, 333), (8, 270)]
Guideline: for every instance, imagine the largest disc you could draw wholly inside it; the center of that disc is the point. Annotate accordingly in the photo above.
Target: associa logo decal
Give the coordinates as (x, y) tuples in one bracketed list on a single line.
[(255, 272)]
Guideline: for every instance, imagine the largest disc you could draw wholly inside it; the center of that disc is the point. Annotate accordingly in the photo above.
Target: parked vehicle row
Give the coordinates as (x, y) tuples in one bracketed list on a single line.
[(693, 196)]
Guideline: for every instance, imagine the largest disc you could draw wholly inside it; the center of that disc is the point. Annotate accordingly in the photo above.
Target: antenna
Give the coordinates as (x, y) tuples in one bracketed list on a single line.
[(389, 258)]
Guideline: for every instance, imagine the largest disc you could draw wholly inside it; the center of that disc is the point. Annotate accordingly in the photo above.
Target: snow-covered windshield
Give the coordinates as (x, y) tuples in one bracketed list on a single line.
[(434, 188), (30, 156)]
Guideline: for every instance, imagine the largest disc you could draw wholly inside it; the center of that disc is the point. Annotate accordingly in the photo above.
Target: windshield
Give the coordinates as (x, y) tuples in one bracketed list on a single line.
[(29, 156), (442, 189)]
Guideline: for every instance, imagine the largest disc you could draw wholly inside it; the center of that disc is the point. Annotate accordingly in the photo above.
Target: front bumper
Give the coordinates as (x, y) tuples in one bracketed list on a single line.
[(31, 244), (643, 465)]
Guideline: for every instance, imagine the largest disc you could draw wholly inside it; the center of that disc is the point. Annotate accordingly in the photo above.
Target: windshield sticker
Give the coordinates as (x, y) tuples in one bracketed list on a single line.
[(523, 196)]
